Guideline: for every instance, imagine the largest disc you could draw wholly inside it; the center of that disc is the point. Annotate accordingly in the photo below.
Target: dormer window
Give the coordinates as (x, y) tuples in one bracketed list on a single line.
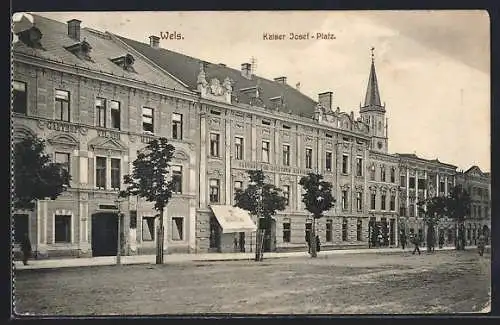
[(81, 50), (125, 61), (31, 37)]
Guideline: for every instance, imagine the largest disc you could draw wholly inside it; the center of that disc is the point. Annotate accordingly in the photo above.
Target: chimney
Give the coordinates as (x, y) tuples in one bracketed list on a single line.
[(74, 29), (280, 80), (325, 99), (154, 41), (246, 70)]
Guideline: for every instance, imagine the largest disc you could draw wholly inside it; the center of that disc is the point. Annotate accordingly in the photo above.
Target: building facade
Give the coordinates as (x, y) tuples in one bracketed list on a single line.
[(98, 98)]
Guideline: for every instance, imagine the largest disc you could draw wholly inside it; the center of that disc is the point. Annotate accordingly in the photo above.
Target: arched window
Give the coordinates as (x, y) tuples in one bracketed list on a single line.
[(379, 125)]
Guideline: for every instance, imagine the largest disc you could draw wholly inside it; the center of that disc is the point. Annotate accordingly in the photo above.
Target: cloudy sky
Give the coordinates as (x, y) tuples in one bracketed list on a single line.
[(433, 67)]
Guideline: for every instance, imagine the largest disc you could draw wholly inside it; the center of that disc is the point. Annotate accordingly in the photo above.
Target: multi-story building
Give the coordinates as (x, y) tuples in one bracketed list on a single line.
[(96, 104), (478, 185), (98, 98)]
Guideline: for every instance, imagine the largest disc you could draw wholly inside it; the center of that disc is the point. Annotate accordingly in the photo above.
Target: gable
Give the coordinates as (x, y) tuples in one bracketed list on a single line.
[(101, 143)]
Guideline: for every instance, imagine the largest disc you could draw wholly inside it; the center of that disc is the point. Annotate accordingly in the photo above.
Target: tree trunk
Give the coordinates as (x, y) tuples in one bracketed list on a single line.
[(312, 239), (159, 246)]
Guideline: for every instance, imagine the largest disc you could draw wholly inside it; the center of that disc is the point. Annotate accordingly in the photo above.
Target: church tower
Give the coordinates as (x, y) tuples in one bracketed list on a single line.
[(373, 113)]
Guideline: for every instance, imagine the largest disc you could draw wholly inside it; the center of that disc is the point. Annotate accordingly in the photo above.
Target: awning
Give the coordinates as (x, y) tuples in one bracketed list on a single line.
[(233, 219)]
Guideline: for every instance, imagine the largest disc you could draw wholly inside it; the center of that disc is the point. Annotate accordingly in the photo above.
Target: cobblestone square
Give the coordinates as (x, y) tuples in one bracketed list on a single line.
[(442, 282)]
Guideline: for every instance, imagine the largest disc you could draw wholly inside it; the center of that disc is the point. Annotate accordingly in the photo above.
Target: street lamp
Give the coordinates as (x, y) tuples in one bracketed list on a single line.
[(118, 250)]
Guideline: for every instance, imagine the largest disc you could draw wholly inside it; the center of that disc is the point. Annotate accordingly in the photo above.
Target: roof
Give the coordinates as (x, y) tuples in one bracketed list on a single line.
[(372, 97), (414, 156), (476, 171), (55, 39), (187, 68)]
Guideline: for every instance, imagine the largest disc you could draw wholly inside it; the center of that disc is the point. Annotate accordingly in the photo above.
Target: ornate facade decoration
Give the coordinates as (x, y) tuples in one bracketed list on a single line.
[(373, 189)]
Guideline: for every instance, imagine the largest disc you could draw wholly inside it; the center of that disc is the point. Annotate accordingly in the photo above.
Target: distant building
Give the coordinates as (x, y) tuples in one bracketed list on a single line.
[(97, 98)]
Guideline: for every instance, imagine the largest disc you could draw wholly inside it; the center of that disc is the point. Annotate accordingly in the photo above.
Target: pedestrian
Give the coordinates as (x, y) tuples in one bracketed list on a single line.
[(380, 240), (441, 240), (403, 240), (309, 244), (318, 244), (480, 245), (235, 241), (26, 248), (416, 243), (242, 244)]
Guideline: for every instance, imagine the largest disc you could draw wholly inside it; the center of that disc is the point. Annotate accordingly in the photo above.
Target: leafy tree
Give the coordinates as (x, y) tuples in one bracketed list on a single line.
[(149, 180), (262, 200), (458, 206), (35, 176), (317, 198), (434, 209)]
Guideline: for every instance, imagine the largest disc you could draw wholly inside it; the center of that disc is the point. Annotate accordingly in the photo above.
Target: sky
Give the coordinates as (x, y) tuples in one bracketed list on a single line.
[(433, 67)]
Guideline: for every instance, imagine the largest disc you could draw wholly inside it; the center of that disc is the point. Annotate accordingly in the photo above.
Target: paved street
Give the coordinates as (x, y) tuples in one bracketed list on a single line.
[(443, 282)]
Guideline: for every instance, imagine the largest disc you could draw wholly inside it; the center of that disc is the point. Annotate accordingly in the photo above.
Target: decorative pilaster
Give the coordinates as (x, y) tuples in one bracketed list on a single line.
[(254, 138), (203, 159), (227, 166)]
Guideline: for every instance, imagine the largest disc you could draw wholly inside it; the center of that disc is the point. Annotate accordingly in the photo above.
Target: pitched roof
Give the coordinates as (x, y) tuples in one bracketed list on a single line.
[(372, 97), (414, 156), (55, 39), (187, 68)]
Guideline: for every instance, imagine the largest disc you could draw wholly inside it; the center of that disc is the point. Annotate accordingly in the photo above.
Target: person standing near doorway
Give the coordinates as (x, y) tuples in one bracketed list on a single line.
[(26, 248), (403, 240), (416, 242)]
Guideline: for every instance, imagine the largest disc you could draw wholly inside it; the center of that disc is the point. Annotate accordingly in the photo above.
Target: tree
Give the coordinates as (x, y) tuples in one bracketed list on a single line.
[(149, 180), (35, 176), (262, 200), (317, 198), (434, 209), (458, 206)]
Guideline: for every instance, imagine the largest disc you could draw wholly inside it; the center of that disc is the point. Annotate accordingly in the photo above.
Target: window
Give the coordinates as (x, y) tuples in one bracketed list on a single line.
[(359, 230), (359, 166), (309, 154), (100, 107), (177, 179), (372, 173), (393, 203), (359, 201), (402, 180), (286, 194), (19, 98), (148, 228), (329, 230), (115, 173), (328, 161), (63, 159), (115, 114), (328, 135), (100, 171), (286, 127), (265, 151), (176, 126), (214, 191), (382, 202), (237, 185), (379, 126), (344, 229), (393, 175), (345, 164), (62, 228), (421, 184), (147, 120), (344, 200), (21, 227), (308, 230), (264, 122), (441, 187), (62, 105), (133, 219), (402, 211), (286, 155), (286, 231), (214, 112), (177, 228), (373, 197), (412, 182), (214, 144), (382, 174), (238, 144), (411, 210)]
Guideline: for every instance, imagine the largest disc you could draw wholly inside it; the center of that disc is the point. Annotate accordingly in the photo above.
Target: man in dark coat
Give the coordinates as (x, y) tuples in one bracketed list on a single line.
[(318, 244), (403, 240), (416, 242), (26, 248)]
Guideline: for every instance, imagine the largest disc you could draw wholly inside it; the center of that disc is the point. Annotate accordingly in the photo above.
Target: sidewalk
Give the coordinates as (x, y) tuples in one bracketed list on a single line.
[(179, 258)]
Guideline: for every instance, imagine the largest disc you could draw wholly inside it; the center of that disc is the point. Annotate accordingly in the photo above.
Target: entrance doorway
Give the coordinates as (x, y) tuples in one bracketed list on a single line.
[(269, 244), (104, 234)]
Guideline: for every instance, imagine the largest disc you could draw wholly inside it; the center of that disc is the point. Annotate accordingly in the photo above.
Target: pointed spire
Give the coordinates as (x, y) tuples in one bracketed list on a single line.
[(372, 94)]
